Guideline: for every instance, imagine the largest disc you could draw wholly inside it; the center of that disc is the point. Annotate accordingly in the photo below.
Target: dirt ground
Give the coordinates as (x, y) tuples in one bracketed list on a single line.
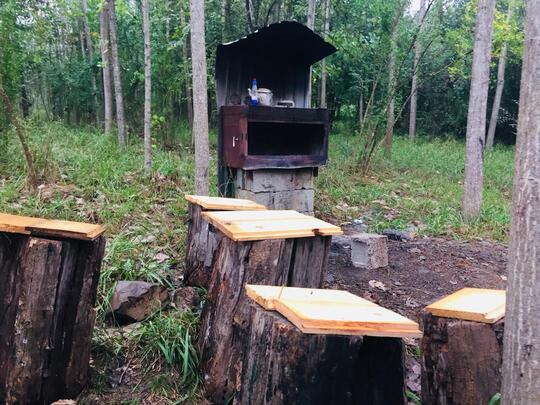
[(421, 271)]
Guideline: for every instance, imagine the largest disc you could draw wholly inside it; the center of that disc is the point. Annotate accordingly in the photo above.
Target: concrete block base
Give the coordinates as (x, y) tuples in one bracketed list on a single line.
[(369, 251), (299, 200)]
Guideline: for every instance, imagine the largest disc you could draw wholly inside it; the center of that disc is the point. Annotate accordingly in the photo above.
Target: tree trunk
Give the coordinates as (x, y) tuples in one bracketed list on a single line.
[(282, 365), (461, 361), (521, 365), (105, 66), (476, 118), (32, 176), (322, 98), (47, 295), (147, 87), (389, 133), (200, 96), (311, 25), (500, 85), (117, 78), (299, 262), (187, 78), (90, 49), (414, 85)]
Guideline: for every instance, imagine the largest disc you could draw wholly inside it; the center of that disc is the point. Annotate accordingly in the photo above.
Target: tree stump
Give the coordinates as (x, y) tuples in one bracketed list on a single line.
[(202, 242), (47, 294), (296, 262), (461, 361), (282, 365)]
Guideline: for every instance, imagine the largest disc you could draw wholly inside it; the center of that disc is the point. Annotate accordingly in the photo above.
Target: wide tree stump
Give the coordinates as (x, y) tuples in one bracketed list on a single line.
[(282, 365), (202, 242), (297, 262), (461, 361), (47, 294)]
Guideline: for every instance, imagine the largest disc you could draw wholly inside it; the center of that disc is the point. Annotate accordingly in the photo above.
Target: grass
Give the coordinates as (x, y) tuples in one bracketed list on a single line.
[(90, 179)]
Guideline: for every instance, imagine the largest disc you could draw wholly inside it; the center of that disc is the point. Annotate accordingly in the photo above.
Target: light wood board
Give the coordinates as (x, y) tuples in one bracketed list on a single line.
[(223, 204), (471, 304), (272, 224), (336, 312), (45, 227)]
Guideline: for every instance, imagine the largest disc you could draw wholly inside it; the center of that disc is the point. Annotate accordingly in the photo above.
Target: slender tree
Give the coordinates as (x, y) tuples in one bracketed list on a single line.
[(414, 84), (521, 358), (90, 49), (322, 96), (105, 66), (117, 78), (147, 87), (187, 80), (500, 84), (390, 119), (476, 118), (310, 22), (200, 96)]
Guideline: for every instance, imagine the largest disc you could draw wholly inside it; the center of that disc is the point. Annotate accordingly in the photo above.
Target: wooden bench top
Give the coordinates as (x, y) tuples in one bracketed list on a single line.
[(46, 227), (471, 304), (271, 224), (333, 312), (223, 204)]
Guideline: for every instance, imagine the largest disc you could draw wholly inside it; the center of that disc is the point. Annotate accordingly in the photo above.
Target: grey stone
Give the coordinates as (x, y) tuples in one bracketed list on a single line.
[(186, 298), (134, 301), (398, 235), (271, 180), (340, 243), (369, 251)]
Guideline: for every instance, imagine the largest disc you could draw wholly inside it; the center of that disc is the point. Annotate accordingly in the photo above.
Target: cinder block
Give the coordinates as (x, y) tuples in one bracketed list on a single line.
[(266, 180), (299, 200), (369, 251)]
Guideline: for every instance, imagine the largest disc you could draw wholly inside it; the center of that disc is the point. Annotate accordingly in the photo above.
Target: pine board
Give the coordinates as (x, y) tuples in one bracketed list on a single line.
[(223, 204), (316, 311), (44, 227), (472, 304), (272, 224)]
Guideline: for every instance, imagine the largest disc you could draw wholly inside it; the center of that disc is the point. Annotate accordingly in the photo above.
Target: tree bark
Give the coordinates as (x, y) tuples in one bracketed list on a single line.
[(389, 133), (105, 66), (461, 361), (282, 365), (322, 98), (200, 96), (500, 85), (90, 49), (187, 78), (414, 85), (297, 262), (310, 22), (47, 295), (147, 87), (117, 77), (476, 118), (521, 365)]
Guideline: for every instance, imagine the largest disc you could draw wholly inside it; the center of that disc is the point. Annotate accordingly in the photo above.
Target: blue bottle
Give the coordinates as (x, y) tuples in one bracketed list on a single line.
[(253, 92)]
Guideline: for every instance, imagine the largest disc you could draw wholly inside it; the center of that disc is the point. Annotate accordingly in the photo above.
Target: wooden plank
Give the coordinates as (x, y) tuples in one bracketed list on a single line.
[(335, 312), (223, 204), (44, 227), (272, 224), (471, 304)]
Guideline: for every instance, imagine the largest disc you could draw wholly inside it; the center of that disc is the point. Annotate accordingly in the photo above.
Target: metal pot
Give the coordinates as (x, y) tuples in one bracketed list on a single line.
[(264, 96)]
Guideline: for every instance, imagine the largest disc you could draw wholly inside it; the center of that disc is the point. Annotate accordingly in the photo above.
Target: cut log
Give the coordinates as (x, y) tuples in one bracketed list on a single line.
[(202, 242), (47, 294), (461, 361), (282, 365), (299, 262)]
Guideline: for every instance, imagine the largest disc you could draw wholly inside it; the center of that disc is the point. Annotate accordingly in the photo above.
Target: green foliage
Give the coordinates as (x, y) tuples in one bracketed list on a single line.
[(495, 399)]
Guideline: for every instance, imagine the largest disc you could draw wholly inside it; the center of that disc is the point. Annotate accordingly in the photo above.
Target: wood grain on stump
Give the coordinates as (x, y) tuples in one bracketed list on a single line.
[(461, 361), (47, 294), (202, 243), (291, 262)]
